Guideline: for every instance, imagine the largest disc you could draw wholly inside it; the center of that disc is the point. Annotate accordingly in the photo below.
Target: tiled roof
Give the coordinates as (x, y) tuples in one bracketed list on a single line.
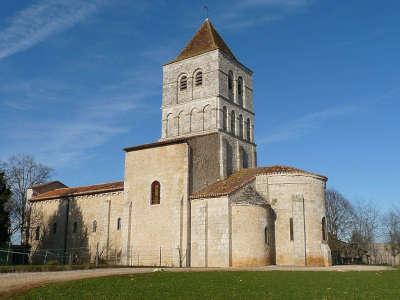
[(167, 142), (206, 39), (81, 190), (40, 185), (46, 187), (243, 177)]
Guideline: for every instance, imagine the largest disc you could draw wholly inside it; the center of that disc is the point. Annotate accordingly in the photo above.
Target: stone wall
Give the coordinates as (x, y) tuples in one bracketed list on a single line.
[(204, 161), (81, 242), (210, 232), (200, 109), (158, 228), (300, 197), (232, 152), (252, 222), (248, 239), (193, 110)]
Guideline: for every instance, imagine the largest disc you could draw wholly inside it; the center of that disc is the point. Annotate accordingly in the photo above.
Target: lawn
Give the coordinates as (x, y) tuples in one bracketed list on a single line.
[(228, 285)]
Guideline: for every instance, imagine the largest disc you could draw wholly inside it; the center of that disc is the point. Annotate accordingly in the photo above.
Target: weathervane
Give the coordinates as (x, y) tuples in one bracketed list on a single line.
[(206, 10)]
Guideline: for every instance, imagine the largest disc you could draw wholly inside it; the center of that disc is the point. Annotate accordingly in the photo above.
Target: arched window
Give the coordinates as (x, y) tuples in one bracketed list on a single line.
[(94, 226), (179, 122), (118, 223), (54, 229), (266, 235), (233, 122), (37, 233), (229, 158), (169, 125), (240, 91), (207, 117), (75, 227), (155, 192), (291, 229), (323, 224), (244, 158), (224, 118), (198, 78), (241, 126), (183, 83), (248, 129), (230, 85)]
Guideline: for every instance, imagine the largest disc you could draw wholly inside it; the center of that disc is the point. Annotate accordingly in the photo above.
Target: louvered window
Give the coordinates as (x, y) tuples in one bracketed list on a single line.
[(198, 79), (183, 83)]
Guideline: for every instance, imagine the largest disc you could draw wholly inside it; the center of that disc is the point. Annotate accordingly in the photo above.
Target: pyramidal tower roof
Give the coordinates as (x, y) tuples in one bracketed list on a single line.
[(206, 39)]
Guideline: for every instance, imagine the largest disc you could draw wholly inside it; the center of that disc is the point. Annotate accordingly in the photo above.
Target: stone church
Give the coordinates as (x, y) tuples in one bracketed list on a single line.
[(195, 197)]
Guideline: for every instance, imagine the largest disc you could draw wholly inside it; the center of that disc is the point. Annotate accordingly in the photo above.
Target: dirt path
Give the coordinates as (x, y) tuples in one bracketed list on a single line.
[(18, 282)]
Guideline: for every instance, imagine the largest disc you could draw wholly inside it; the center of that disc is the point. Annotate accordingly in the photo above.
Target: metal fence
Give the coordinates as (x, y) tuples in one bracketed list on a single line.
[(135, 257), (73, 256)]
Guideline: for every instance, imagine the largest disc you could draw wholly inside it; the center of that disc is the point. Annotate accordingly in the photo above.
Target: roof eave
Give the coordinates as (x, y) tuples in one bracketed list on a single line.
[(34, 199)]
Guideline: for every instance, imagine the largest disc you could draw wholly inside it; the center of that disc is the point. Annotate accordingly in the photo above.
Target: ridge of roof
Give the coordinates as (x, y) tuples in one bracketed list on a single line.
[(80, 190), (244, 176), (165, 142), (39, 185), (204, 40)]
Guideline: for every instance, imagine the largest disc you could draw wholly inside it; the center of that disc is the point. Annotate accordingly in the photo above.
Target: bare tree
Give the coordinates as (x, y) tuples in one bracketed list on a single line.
[(339, 214), (22, 171), (366, 225), (5, 194), (391, 223)]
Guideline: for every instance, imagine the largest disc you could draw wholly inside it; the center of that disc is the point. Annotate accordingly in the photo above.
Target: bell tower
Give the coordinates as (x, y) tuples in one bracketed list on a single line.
[(207, 90)]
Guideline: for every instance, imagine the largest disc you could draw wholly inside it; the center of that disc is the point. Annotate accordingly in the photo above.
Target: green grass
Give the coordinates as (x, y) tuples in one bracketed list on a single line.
[(50, 268), (228, 285)]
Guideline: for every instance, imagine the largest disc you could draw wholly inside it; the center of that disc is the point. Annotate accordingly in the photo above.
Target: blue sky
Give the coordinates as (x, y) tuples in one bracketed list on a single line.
[(80, 80)]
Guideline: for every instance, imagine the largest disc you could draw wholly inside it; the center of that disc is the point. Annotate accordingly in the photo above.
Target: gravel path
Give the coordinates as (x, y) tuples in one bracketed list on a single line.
[(17, 282)]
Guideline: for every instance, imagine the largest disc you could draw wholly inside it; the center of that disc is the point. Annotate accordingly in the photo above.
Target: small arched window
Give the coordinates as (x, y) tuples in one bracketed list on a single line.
[(291, 229), (323, 224), (54, 229), (118, 223), (266, 236), (248, 129), (75, 227), (198, 78), (230, 85), (94, 226), (155, 192), (244, 158), (241, 126), (233, 122), (37, 233), (183, 83), (224, 118), (240, 91)]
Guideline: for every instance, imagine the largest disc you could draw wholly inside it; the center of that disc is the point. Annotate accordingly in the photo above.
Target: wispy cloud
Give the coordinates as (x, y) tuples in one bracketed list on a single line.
[(37, 22), (248, 13), (62, 142), (68, 133), (304, 125)]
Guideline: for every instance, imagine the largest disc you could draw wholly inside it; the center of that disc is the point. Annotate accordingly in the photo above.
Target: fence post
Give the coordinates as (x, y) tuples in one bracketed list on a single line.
[(45, 258), (160, 257), (8, 252), (97, 255)]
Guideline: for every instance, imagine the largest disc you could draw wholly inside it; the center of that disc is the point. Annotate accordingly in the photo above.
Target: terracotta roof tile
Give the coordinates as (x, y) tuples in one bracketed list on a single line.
[(165, 142), (81, 190), (242, 177), (206, 39)]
